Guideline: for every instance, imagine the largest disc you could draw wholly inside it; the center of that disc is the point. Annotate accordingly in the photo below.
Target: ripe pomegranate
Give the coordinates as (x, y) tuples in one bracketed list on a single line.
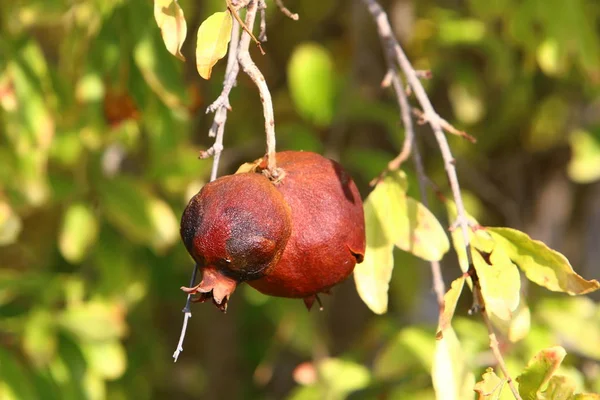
[(296, 237)]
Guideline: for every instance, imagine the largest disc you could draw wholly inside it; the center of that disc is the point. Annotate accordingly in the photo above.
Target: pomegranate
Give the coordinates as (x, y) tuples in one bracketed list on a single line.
[(296, 237)]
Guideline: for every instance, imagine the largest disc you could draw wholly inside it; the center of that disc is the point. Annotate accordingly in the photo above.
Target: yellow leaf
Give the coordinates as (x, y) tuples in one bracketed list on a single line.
[(452, 379), (542, 265), (214, 35), (500, 283), (450, 300), (372, 276), (520, 324), (490, 387), (171, 21), (406, 222)]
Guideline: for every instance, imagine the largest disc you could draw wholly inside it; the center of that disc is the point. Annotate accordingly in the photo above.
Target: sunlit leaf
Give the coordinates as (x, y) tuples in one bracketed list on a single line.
[(106, 358), (10, 224), (372, 276), (550, 59), (78, 233), (342, 377), (559, 387), (539, 370), (392, 218), (171, 21), (542, 265), (450, 300), (423, 235), (520, 324), (311, 62), (94, 321), (406, 222), (214, 35), (165, 224), (490, 387), (500, 282), (585, 158), (452, 379), (39, 337), (575, 321)]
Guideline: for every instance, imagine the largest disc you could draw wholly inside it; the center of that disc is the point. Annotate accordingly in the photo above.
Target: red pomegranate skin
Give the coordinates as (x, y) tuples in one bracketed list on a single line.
[(328, 228), (236, 229)]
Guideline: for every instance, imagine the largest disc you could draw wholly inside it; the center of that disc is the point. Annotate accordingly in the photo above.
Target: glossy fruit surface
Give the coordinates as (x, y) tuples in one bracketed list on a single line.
[(328, 232), (296, 237)]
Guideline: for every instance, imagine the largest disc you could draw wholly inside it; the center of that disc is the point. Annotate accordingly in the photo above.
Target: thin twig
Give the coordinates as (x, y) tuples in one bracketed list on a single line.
[(233, 9), (187, 315), (285, 10), (436, 271), (262, 6), (254, 73), (396, 53), (221, 106), (498, 355), (447, 126)]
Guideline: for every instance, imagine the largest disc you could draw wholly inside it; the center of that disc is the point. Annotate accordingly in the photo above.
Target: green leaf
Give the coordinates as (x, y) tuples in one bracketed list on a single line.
[(78, 233), (171, 21), (126, 204), (411, 347), (500, 283), (452, 379), (162, 74), (311, 78), (490, 388), (15, 383), (214, 35), (139, 214), (450, 300), (542, 265), (585, 158), (538, 372)]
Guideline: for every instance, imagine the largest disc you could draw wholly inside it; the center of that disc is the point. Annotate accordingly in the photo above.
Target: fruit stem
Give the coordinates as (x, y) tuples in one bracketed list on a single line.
[(250, 68)]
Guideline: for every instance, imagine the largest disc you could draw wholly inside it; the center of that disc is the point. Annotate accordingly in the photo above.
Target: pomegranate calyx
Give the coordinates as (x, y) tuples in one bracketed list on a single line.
[(214, 286)]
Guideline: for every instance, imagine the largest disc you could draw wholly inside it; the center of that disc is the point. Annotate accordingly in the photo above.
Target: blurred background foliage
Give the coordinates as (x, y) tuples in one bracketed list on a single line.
[(100, 130)]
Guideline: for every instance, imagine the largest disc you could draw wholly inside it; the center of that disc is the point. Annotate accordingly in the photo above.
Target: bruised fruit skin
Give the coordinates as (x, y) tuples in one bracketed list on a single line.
[(328, 228), (236, 229), (295, 237)]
